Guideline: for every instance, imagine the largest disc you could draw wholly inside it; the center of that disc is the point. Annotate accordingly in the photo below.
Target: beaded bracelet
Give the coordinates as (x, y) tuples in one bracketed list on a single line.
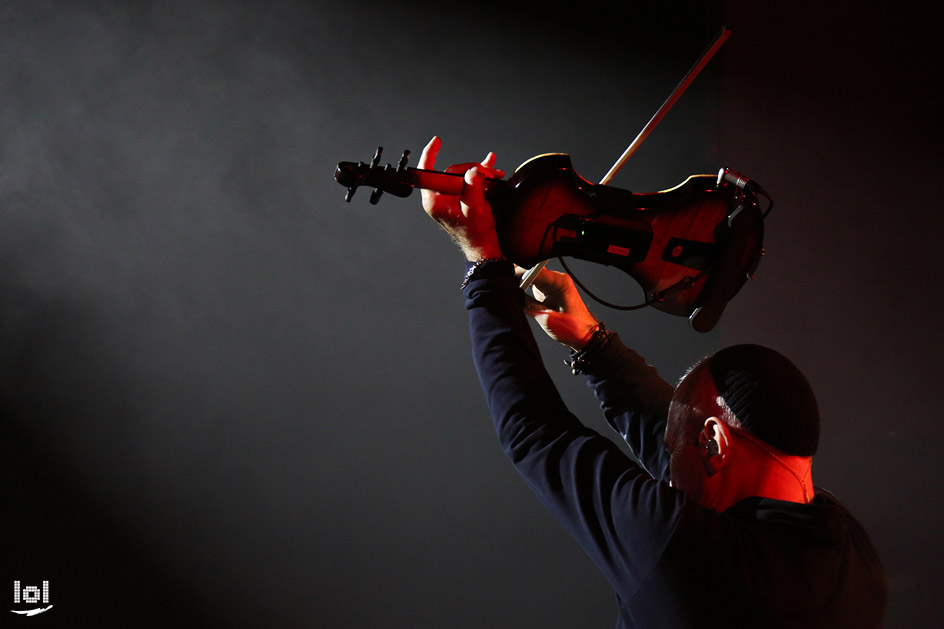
[(476, 266)]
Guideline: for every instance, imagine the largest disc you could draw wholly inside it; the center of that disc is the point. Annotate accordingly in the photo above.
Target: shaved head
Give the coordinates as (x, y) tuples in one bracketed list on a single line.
[(753, 388)]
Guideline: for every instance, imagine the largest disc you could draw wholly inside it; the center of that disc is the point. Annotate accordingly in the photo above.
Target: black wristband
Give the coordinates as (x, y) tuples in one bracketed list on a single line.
[(580, 359)]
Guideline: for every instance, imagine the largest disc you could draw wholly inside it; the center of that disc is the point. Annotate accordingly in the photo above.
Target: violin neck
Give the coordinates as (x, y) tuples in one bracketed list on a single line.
[(443, 183), (400, 182)]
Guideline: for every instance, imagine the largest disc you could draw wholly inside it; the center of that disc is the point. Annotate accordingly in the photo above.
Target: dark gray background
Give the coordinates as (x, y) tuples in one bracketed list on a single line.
[(230, 398)]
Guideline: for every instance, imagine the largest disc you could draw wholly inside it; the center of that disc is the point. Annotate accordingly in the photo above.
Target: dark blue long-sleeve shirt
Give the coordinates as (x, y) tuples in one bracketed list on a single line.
[(671, 562)]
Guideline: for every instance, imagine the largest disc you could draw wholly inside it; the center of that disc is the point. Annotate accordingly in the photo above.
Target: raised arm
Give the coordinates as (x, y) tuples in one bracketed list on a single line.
[(591, 487), (634, 398)]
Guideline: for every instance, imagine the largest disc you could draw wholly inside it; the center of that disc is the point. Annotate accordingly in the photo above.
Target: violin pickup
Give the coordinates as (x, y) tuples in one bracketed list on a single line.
[(598, 241)]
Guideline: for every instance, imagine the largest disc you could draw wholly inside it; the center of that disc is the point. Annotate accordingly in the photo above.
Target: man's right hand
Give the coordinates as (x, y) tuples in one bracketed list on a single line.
[(558, 308)]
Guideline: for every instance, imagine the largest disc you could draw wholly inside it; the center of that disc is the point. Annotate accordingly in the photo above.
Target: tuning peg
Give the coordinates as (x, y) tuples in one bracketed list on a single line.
[(401, 165), (350, 193), (375, 196), (376, 159)]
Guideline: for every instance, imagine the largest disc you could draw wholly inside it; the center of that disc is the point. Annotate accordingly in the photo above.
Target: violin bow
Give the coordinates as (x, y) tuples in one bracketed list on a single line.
[(531, 274)]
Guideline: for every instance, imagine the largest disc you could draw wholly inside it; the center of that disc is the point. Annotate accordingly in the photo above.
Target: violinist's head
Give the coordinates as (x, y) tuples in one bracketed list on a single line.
[(743, 422)]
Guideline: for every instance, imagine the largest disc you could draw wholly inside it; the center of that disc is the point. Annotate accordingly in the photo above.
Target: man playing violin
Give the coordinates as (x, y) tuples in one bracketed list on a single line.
[(718, 524)]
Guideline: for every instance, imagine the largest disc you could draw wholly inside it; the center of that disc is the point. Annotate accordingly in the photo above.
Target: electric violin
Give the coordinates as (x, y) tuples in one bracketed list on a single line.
[(690, 248)]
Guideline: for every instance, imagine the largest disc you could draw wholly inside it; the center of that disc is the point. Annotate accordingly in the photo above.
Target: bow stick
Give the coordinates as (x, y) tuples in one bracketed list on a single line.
[(528, 278)]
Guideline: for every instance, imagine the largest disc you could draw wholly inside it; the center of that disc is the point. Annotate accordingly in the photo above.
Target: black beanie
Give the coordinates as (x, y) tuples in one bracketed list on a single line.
[(769, 396)]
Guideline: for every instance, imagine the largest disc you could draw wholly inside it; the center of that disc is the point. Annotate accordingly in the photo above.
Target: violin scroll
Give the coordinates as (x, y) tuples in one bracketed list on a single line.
[(380, 178)]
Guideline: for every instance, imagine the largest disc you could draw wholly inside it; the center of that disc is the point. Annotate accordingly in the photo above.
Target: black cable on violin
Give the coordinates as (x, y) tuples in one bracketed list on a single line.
[(682, 284), (686, 282), (770, 202), (747, 185), (656, 297)]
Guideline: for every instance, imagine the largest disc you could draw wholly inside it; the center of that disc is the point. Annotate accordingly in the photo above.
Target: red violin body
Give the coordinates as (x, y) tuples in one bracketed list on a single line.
[(690, 248)]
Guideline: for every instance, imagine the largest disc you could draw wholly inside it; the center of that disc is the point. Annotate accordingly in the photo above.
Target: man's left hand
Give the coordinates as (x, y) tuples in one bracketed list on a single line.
[(467, 218)]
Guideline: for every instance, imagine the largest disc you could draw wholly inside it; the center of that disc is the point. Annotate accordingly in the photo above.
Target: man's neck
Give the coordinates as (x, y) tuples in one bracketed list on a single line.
[(779, 477)]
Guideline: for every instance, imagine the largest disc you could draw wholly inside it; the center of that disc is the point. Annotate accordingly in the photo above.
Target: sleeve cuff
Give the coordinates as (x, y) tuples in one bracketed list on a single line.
[(487, 269)]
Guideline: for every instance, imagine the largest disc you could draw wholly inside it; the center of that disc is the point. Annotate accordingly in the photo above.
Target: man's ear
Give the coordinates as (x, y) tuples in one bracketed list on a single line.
[(715, 438)]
